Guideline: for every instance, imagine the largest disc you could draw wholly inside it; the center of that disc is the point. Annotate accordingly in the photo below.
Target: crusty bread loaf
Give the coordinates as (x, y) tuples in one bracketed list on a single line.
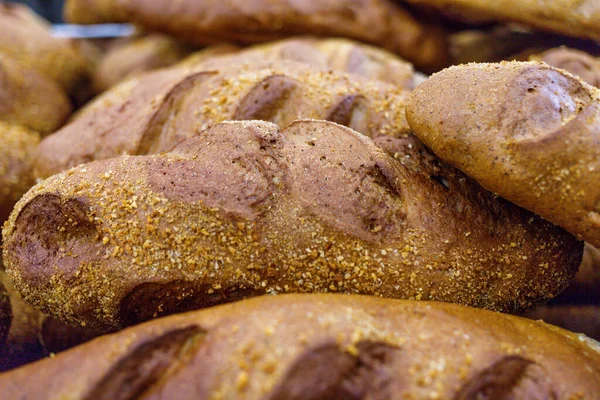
[(30, 99), (315, 347), (33, 335), (134, 55), (27, 39), (17, 147), (585, 288), (578, 318), (380, 22), (5, 314), (526, 131), (154, 112), (243, 209), (577, 62), (579, 18), (340, 54)]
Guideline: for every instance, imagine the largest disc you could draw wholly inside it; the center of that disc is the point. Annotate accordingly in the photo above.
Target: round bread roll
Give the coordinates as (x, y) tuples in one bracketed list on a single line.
[(579, 18), (17, 146), (578, 318), (577, 62), (317, 347), (244, 208), (26, 38), (5, 314), (383, 23), (154, 112), (526, 131)]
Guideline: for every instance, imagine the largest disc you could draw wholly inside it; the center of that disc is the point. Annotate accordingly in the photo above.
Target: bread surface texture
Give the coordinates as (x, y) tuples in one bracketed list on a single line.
[(5, 314), (579, 318), (153, 112), (383, 23), (322, 347), (245, 208), (526, 131), (577, 62)]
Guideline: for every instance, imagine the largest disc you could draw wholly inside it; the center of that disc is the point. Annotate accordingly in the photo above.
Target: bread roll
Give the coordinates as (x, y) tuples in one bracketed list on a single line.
[(26, 38), (153, 112), (578, 318), (585, 288), (322, 347), (579, 18), (526, 131), (380, 22), (577, 62), (244, 208), (5, 315)]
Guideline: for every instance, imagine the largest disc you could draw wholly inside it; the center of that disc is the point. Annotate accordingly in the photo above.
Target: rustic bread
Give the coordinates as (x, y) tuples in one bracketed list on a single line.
[(5, 314), (26, 38), (526, 131), (153, 112), (577, 62), (380, 22), (30, 99), (17, 147), (578, 318), (134, 55), (33, 335), (585, 288), (315, 347), (243, 209), (579, 18), (340, 54)]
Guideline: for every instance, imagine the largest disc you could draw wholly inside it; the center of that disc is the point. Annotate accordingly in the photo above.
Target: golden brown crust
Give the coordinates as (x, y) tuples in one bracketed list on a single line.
[(322, 347), (577, 62), (577, 318), (526, 131), (5, 315), (380, 22), (341, 54), (243, 209), (27, 39), (153, 112), (579, 18), (30, 99), (17, 146), (132, 56)]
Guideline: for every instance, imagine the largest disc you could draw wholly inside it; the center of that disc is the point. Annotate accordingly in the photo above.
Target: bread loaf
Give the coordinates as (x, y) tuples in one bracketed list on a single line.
[(132, 56), (245, 208), (585, 288), (526, 131), (5, 315), (380, 22), (322, 347), (578, 318), (17, 146), (152, 113), (340, 54), (26, 38), (575, 61), (579, 18)]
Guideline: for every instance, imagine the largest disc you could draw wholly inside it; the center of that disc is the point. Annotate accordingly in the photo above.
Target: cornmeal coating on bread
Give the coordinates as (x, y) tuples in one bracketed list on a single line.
[(526, 131), (578, 18), (244, 208), (322, 347), (383, 23), (152, 113)]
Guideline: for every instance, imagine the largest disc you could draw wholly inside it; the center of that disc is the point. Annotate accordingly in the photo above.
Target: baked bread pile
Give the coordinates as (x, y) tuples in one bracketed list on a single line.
[(303, 168)]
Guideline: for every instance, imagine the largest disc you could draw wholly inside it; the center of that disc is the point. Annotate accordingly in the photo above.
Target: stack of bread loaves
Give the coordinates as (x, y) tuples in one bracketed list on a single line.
[(322, 185)]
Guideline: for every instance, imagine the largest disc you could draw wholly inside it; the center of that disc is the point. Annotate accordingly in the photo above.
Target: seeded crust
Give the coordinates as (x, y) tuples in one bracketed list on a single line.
[(17, 146), (5, 314), (321, 347), (578, 18), (383, 23), (578, 318), (243, 209), (27, 39), (340, 54), (132, 56), (577, 62), (154, 112), (526, 131)]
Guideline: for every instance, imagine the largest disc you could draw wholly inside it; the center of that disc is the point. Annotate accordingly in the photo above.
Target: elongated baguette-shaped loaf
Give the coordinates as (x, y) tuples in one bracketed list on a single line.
[(380, 22), (317, 347), (579, 18), (526, 131), (245, 208), (154, 112)]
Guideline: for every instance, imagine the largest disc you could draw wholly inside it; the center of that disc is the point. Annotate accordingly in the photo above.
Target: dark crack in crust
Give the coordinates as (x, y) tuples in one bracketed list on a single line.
[(245, 208)]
